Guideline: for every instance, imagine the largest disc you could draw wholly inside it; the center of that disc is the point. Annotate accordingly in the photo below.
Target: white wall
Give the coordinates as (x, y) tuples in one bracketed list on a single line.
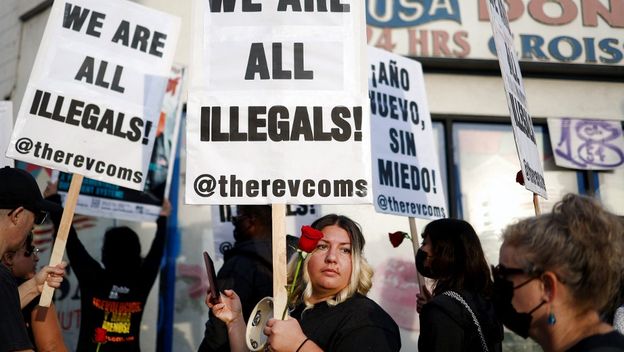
[(9, 42)]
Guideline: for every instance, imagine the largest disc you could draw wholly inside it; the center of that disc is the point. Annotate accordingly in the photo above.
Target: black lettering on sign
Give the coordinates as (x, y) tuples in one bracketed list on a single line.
[(87, 72), (142, 38), (278, 124), (308, 6), (257, 63), (228, 6), (90, 116), (75, 17)]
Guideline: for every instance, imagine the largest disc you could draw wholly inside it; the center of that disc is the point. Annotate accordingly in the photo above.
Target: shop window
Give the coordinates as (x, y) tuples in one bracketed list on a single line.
[(488, 196)]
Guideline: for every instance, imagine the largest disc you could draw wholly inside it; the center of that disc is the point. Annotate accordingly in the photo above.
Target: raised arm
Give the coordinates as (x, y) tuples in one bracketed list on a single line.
[(152, 261)]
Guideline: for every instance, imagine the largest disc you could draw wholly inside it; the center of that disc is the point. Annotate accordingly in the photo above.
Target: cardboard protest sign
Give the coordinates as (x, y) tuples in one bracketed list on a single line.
[(406, 174), (99, 198), (521, 121), (277, 107), (587, 144), (6, 126), (94, 95)]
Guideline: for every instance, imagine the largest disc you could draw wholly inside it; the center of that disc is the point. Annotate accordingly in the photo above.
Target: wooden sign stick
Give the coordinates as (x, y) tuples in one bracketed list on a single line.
[(280, 295), (536, 205), (61, 237), (415, 245)]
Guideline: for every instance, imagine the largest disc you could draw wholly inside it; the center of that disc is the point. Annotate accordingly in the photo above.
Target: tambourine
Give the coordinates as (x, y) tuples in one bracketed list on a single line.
[(254, 336)]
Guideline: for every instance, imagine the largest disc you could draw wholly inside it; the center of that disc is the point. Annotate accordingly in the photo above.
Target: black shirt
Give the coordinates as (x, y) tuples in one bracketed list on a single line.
[(112, 302), (13, 335), (609, 342), (357, 324)]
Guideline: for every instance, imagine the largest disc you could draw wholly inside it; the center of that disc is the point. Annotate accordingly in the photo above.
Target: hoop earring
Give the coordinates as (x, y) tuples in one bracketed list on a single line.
[(551, 317)]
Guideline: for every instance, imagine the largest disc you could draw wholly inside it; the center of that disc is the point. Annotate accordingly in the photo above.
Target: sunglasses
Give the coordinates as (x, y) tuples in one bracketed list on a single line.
[(40, 215), (502, 272)]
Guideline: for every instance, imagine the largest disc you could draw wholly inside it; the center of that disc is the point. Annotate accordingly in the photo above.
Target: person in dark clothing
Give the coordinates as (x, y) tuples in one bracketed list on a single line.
[(332, 312), (113, 297), (459, 315), (21, 207), (558, 272), (247, 269), (42, 323)]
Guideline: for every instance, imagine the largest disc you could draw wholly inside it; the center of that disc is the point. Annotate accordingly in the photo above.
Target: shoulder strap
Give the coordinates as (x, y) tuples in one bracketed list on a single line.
[(459, 298)]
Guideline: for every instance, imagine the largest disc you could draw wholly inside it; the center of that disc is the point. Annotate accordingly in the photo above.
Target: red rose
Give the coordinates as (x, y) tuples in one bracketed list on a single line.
[(520, 178), (396, 238), (100, 335), (309, 238)]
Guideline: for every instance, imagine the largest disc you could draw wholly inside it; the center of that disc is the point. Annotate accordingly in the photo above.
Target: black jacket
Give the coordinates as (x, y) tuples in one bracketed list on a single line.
[(446, 325), (247, 270)]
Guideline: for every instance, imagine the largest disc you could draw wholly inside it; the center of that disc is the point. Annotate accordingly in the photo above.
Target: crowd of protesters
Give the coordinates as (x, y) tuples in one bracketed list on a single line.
[(559, 281)]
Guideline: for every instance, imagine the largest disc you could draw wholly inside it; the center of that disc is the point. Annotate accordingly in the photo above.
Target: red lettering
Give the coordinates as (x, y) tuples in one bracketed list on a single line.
[(569, 11), (594, 8), (440, 41), (515, 9), (418, 39), (460, 38)]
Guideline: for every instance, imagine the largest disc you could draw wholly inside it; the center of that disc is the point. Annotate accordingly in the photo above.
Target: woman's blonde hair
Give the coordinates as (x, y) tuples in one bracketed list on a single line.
[(579, 241), (361, 279)]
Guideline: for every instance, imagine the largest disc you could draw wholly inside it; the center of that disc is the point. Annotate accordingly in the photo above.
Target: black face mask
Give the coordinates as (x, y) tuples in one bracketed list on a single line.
[(421, 257), (503, 291)]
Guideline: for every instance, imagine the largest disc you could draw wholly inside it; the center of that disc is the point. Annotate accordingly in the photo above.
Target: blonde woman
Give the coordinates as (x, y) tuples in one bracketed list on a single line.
[(560, 271), (332, 312)]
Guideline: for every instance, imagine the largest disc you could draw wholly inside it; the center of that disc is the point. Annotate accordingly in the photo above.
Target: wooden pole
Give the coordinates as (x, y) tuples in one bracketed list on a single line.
[(61, 237), (536, 205), (280, 295), (415, 245)]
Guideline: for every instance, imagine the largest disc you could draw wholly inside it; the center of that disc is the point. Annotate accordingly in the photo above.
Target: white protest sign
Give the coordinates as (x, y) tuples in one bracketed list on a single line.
[(94, 95), (587, 144), (6, 126), (406, 174), (521, 121), (277, 107), (107, 200)]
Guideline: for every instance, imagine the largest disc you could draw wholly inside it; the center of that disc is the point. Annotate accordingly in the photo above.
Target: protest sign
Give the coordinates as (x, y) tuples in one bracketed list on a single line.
[(6, 124), (99, 198), (94, 95), (587, 144), (406, 174), (521, 121), (277, 104)]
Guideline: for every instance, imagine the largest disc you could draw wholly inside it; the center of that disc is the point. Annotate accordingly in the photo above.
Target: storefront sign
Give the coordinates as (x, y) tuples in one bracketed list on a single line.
[(551, 31), (587, 144)]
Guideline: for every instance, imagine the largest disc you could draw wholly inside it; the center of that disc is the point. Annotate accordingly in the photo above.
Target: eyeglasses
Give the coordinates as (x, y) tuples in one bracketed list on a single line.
[(30, 250), (40, 215)]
